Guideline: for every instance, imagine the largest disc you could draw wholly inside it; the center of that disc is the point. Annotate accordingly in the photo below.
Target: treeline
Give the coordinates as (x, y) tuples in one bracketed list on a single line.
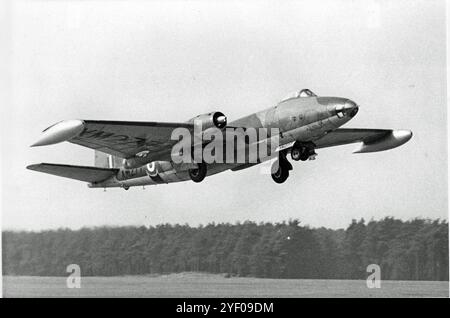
[(411, 250)]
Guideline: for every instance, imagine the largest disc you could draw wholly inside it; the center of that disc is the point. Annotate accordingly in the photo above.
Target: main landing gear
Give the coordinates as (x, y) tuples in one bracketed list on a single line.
[(281, 168), (197, 175), (299, 151), (302, 151)]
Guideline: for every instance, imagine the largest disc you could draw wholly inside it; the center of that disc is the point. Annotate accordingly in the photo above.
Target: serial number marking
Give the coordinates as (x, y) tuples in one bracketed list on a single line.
[(246, 307), (225, 308)]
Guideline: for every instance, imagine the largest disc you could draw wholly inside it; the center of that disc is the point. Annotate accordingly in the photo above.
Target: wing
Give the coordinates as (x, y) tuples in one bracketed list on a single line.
[(126, 139), (123, 139), (372, 139), (82, 173)]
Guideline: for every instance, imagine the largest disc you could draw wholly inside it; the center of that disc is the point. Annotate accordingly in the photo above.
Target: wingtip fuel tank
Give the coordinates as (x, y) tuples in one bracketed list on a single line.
[(60, 132), (392, 140)]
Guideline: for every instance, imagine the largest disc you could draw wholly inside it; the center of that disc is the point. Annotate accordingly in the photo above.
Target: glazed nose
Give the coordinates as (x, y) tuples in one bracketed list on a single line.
[(349, 108)]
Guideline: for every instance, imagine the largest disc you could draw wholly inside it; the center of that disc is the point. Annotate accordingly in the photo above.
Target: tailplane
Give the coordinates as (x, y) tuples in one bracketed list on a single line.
[(82, 173)]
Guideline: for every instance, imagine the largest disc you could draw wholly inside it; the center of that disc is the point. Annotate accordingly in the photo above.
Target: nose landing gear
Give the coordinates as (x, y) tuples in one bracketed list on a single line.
[(197, 175)]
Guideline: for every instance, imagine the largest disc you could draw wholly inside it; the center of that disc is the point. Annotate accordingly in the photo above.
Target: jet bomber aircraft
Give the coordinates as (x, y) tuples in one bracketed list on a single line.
[(129, 153)]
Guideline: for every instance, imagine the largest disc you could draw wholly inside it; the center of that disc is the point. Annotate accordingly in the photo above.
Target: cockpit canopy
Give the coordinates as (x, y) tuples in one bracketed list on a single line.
[(299, 94)]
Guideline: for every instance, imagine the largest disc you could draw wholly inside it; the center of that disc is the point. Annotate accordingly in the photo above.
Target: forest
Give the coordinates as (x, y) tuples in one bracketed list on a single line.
[(405, 250)]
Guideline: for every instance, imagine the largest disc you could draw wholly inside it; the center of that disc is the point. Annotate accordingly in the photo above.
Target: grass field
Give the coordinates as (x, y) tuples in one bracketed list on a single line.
[(205, 285)]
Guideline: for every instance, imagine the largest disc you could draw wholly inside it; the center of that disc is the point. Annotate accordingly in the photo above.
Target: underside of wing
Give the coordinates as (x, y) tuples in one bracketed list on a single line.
[(82, 173), (123, 139), (126, 139), (372, 139)]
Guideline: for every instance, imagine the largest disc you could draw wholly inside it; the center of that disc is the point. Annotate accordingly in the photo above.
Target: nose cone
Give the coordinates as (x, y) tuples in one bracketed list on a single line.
[(222, 120), (346, 109), (350, 108), (219, 120)]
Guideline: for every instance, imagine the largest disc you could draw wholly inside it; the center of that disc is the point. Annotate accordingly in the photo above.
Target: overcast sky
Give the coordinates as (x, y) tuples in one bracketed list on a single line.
[(169, 61)]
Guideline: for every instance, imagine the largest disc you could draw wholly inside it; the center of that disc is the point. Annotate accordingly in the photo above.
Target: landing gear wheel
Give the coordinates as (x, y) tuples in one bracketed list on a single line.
[(126, 188), (197, 175), (282, 173), (304, 154), (301, 152), (296, 153)]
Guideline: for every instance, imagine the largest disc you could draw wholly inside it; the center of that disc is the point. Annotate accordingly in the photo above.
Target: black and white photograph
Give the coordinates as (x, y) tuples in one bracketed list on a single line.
[(251, 150)]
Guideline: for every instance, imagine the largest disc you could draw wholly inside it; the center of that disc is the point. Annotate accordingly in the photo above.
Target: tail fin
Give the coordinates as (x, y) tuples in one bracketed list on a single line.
[(87, 174), (103, 160)]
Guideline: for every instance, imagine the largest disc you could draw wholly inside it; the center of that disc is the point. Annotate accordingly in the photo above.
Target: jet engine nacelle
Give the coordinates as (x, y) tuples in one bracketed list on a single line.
[(214, 119), (168, 171), (156, 167)]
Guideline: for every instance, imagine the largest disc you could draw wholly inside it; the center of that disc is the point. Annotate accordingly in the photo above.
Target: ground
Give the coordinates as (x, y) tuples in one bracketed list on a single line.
[(207, 285)]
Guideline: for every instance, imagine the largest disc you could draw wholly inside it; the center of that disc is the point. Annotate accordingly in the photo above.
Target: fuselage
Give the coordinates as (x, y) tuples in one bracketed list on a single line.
[(298, 119)]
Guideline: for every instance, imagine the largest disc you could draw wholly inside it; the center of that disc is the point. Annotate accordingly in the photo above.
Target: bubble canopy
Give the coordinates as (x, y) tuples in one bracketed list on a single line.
[(299, 94)]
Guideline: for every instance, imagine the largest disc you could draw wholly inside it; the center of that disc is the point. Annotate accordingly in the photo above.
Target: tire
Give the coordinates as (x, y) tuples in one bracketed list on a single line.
[(296, 153), (281, 174), (304, 154), (197, 175), (301, 152)]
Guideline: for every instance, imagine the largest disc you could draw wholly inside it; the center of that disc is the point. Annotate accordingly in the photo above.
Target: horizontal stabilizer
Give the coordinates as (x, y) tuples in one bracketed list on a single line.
[(82, 173)]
